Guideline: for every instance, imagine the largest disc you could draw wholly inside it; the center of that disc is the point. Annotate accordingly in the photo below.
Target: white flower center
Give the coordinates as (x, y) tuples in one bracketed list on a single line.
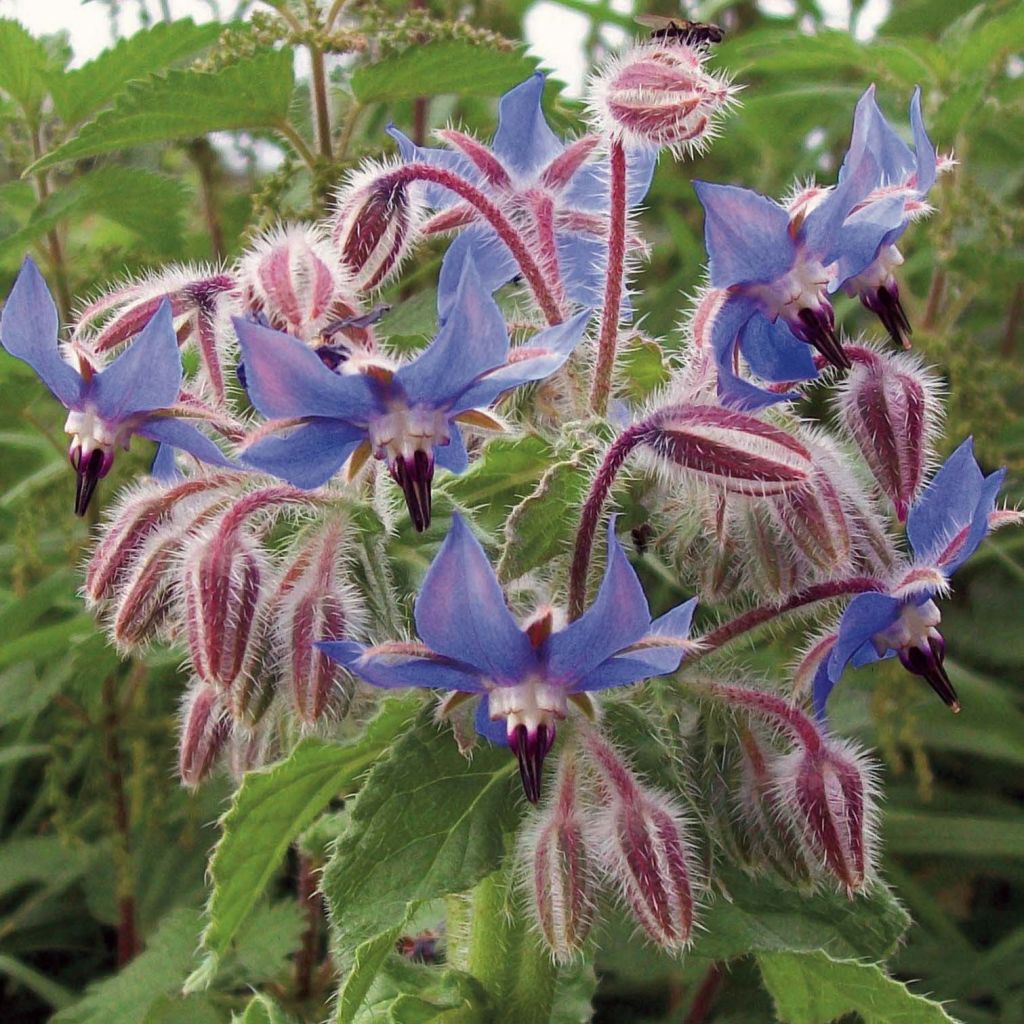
[(914, 628), (533, 703), (404, 431), (89, 433), (803, 287), (877, 274)]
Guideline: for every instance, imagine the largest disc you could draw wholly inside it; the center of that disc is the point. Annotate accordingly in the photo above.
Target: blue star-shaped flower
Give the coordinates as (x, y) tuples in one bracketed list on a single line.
[(409, 415), (543, 184), (945, 527), (525, 676), (135, 394)]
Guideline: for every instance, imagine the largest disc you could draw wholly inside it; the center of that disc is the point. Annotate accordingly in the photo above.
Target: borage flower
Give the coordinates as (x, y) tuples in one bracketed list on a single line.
[(524, 675), (945, 526), (407, 415), (546, 187), (136, 394)]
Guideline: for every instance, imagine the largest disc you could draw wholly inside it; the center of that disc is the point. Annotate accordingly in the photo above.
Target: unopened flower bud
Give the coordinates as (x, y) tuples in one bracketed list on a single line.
[(375, 226), (560, 872), (659, 94), (828, 790), (728, 449), (888, 407), (642, 839), (772, 564), (205, 728), (291, 276)]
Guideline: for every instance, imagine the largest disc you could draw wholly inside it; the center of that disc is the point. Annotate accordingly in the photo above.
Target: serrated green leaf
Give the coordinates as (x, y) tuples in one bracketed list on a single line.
[(269, 811), (82, 91), (151, 205), (409, 993), (367, 961), (541, 526), (449, 66), (24, 64), (254, 93), (427, 823), (812, 988)]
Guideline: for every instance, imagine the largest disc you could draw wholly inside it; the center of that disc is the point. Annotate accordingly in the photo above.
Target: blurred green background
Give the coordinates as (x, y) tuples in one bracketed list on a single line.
[(89, 806)]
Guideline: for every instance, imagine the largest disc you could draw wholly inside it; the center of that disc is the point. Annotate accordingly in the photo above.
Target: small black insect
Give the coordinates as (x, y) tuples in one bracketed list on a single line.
[(692, 33)]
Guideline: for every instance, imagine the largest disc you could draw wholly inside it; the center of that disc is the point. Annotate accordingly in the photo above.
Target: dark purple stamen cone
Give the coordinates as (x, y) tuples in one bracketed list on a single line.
[(530, 749), (414, 475), (884, 302), (818, 328), (90, 471), (928, 663)]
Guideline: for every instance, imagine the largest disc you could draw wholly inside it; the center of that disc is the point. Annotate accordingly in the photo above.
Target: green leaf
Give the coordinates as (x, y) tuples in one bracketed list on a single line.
[(952, 835), (269, 811), (409, 993), (151, 205), (450, 66), (40, 644), (542, 526), (82, 91), (253, 93), (644, 369), (812, 988), (56, 995), (127, 997), (24, 63), (367, 961), (428, 822), (262, 1010)]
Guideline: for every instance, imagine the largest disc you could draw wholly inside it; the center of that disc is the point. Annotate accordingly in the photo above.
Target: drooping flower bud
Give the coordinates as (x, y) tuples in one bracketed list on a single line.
[(642, 838), (829, 791), (889, 408), (311, 604), (728, 449), (659, 94), (560, 871), (772, 564), (291, 276), (205, 728), (375, 225)]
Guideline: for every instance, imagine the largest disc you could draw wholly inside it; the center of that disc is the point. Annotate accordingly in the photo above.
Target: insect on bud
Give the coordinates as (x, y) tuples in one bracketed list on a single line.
[(660, 94), (375, 226), (888, 406), (560, 874), (205, 728), (642, 839), (727, 449)]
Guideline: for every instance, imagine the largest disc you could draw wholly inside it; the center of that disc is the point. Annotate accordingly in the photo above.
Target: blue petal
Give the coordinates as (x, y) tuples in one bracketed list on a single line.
[(169, 432), (452, 456), (773, 353), (821, 233), (145, 376), (924, 152), (285, 379), (437, 197), (391, 671), (165, 467), (866, 615), (583, 262), (557, 344), (29, 329), (958, 498), (676, 622), (588, 189), (746, 234), (493, 263), (618, 617), (821, 687), (494, 732), (863, 236), (308, 455), (523, 140), (873, 134), (472, 340), (461, 611)]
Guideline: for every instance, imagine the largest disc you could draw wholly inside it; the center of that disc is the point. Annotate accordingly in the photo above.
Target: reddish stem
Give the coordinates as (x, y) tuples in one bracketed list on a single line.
[(614, 282), (310, 905), (492, 214), (599, 491), (706, 995), (776, 709)]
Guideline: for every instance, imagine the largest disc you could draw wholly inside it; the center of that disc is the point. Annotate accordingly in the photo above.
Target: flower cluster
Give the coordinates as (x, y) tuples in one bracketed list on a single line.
[(265, 555)]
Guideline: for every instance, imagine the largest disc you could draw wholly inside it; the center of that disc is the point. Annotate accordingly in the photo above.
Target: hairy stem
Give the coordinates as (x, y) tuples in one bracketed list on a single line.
[(312, 910), (770, 706), (614, 282), (321, 106), (493, 215), (204, 156), (591, 514), (298, 143)]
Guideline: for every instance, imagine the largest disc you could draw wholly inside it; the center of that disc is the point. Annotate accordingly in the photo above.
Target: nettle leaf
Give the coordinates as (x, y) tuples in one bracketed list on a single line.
[(270, 810), (151, 205), (542, 526), (449, 66), (82, 91), (24, 63), (427, 823), (812, 988), (254, 93)]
